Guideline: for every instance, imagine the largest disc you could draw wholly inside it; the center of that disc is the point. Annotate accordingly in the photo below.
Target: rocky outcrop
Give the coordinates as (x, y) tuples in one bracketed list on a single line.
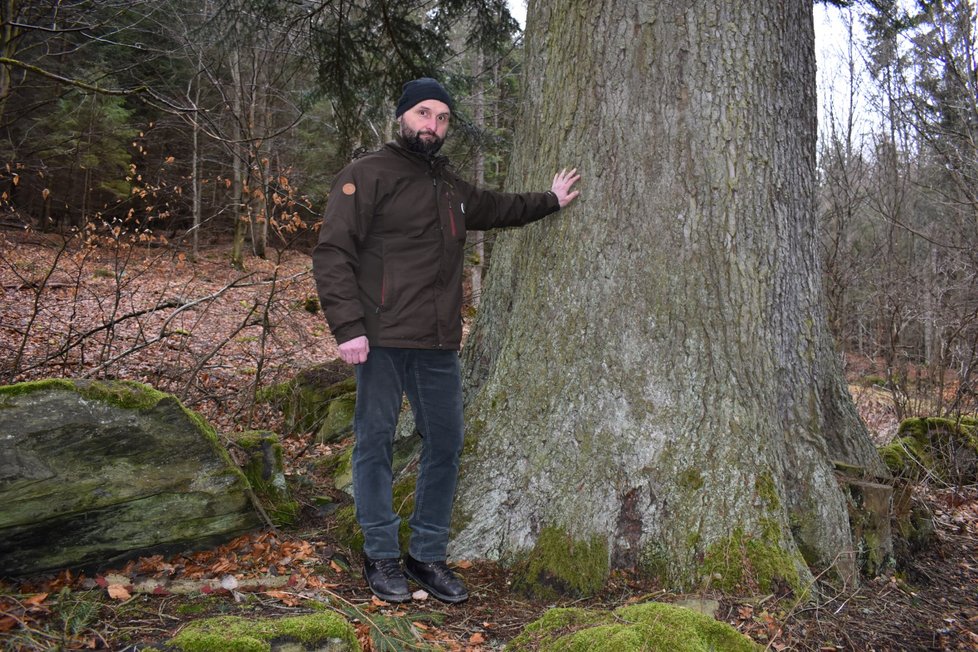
[(94, 472), (319, 399)]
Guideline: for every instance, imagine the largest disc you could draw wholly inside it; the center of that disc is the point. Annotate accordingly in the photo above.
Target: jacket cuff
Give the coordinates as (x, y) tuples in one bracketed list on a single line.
[(555, 201), (350, 332)]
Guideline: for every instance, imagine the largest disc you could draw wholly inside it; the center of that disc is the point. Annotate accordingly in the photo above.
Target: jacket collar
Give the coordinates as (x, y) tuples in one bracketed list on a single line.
[(437, 162)]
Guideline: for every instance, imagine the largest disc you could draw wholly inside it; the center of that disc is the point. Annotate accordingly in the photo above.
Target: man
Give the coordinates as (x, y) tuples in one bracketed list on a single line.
[(388, 270)]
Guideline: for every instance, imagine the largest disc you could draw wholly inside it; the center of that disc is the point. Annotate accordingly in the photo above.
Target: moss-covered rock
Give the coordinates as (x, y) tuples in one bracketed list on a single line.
[(266, 474), (348, 531), (944, 448), (559, 566), (926, 447), (338, 422), (95, 472), (648, 627), (906, 458), (307, 400), (323, 632), (340, 467)]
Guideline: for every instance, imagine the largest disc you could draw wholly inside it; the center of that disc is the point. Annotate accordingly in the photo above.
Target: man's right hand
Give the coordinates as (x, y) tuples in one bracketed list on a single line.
[(355, 351)]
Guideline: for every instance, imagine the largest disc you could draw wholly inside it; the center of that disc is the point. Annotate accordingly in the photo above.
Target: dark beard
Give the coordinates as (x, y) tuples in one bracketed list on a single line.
[(426, 148)]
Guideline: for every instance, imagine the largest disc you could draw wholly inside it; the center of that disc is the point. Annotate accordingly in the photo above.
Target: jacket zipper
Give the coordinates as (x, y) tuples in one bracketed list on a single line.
[(451, 220), (451, 214), (448, 202)]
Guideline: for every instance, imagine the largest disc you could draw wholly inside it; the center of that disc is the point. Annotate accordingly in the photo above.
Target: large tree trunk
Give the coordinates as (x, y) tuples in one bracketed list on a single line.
[(650, 371)]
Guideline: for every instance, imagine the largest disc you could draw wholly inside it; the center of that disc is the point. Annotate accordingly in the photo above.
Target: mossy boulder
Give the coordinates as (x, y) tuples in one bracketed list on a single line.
[(945, 448), (339, 464), (338, 422), (320, 632), (348, 531), (935, 448), (265, 472), (92, 473), (339, 467), (906, 458), (319, 399), (648, 627), (560, 566)]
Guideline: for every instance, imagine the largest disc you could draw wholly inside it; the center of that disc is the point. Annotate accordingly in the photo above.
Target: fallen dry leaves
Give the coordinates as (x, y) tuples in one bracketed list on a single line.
[(286, 570)]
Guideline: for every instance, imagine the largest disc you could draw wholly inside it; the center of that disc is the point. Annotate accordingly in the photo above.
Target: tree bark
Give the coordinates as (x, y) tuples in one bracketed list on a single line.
[(240, 213), (9, 37), (651, 368), (479, 177)]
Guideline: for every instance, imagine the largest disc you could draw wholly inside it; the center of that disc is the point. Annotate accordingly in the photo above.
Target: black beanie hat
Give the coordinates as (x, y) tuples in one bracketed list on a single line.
[(417, 90)]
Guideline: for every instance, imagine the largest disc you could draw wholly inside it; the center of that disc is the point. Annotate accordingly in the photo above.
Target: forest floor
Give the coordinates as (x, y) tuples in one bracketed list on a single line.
[(209, 355)]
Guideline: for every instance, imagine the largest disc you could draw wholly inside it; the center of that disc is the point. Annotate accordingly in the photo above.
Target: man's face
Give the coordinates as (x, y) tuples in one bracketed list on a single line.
[(425, 125)]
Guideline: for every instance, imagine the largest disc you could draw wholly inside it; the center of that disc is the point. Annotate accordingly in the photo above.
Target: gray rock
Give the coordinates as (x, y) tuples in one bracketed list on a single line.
[(95, 472), (318, 399)]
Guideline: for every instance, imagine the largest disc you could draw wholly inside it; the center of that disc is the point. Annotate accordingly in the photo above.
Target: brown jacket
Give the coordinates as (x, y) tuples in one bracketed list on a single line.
[(388, 264)]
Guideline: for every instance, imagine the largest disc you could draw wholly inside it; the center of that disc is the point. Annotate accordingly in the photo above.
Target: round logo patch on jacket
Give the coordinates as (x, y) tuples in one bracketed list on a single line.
[(349, 188)]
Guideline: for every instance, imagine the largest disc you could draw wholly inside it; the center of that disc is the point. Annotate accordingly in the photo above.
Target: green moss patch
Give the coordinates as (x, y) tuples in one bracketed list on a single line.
[(944, 448), (560, 566), (340, 467), (120, 393), (308, 399), (648, 627), (338, 421), (742, 562), (236, 634), (906, 458), (348, 531)]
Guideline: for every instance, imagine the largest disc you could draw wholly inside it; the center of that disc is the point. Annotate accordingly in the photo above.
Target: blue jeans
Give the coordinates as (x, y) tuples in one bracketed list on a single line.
[(433, 383)]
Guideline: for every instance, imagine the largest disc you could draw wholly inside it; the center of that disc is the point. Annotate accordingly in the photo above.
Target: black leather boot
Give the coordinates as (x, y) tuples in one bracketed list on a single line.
[(437, 579), (386, 579)]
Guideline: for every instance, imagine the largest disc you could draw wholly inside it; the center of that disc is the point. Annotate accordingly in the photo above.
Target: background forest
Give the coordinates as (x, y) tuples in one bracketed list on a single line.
[(156, 129), (898, 212), (165, 164), (222, 122)]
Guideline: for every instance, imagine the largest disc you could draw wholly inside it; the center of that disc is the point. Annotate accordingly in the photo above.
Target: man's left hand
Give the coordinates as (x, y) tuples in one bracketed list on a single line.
[(561, 187)]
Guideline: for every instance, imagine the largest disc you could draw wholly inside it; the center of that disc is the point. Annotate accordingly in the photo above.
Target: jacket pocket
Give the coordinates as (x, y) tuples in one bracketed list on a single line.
[(456, 216), (373, 274)]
